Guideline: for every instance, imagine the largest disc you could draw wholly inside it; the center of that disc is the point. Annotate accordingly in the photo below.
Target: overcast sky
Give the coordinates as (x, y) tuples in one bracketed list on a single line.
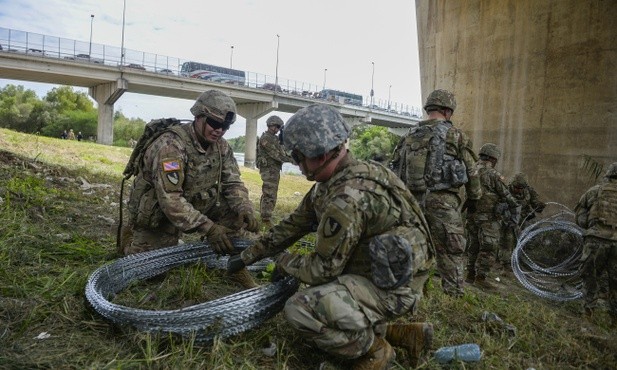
[(342, 36)]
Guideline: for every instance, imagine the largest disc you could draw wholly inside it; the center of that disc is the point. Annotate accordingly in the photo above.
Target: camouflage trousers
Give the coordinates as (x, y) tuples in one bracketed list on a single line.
[(503, 254), (599, 255), (344, 316), (484, 235), (443, 214), (271, 177)]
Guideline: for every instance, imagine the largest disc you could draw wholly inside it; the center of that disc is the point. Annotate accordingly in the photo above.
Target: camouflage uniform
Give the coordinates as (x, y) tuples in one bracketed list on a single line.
[(183, 185), (596, 212), (270, 162), (484, 225), (442, 208), (530, 203), (343, 309)]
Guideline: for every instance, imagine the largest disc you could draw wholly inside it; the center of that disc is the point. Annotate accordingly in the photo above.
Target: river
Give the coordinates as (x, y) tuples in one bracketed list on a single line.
[(288, 168)]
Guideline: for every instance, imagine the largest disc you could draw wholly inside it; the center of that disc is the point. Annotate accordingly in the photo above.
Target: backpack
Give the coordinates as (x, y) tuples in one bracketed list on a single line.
[(429, 162), (260, 159), (604, 209), (152, 130)]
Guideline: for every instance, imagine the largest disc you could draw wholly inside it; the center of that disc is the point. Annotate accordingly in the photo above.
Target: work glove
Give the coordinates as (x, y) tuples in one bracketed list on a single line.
[(470, 206), (217, 237), (248, 219), (235, 264)]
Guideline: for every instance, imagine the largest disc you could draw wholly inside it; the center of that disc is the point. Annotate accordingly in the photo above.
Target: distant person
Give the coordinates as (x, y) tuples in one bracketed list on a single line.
[(530, 203), (189, 182), (64, 135), (484, 221), (596, 213), (79, 136), (372, 253), (71, 135), (436, 161), (270, 162), (132, 142)]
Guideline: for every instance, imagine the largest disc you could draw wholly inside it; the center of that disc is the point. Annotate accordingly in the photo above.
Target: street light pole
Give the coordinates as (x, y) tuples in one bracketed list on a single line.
[(372, 81), (123, 23), (91, 21), (389, 89), (324, 78), (276, 73), (231, 57)]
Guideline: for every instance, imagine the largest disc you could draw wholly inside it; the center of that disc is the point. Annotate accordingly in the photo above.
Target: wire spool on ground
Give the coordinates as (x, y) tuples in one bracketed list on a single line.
[(222, 317), (546, 259)]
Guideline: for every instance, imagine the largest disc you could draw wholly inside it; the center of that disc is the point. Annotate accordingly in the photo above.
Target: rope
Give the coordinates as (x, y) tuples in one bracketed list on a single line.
[(223, 317), (546, 259)]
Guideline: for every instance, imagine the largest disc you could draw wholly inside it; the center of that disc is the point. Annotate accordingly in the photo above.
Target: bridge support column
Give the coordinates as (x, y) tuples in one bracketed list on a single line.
[(252, 112), (106, 95)]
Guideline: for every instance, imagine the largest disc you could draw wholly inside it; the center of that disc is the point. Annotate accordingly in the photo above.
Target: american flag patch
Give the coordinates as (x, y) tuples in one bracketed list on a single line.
[(171, 166)]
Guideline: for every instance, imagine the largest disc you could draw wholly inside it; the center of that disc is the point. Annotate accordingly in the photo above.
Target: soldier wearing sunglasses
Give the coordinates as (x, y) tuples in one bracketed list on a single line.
[(189, 181)]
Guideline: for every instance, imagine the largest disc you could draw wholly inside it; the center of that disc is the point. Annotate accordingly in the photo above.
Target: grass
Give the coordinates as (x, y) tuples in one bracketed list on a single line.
[(58, 210)]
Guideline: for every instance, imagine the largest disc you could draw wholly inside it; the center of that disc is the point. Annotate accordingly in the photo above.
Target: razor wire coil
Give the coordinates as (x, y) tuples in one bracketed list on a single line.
[(223, 317), (554, 280)]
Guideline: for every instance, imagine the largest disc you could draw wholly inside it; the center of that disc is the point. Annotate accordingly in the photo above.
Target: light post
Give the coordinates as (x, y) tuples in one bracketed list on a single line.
[(372, 81), (325, 70), (91, 21), (276, 73), (231, 57), (389, 89), (123, 23)]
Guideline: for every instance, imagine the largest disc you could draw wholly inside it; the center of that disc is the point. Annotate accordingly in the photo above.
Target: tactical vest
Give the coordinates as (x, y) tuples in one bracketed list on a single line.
[(604, 209), (201, 181), (431, 158), (488, 202)]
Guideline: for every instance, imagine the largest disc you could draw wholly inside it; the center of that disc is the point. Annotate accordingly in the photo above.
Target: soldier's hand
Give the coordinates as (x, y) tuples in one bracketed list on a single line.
[(277, 274), (235, 264), (217, 237), (250, 221)]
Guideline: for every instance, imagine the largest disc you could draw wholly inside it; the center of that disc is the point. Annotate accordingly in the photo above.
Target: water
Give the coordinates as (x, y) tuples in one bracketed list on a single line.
[(288, 168)]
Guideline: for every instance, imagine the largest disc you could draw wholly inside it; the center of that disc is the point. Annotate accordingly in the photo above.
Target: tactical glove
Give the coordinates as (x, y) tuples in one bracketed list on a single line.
[(470, 206), (217, 237), (248, 219), (235, 264)]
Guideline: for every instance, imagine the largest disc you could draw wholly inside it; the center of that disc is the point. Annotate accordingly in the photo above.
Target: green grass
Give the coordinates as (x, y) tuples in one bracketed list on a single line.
[(54, 232)]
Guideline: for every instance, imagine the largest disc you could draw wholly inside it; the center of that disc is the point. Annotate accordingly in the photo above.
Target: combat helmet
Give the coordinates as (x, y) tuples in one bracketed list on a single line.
[(611, 172), (315, 130), (490, 150), (274, 121), (519, 180), (441, 98), (215, 104)]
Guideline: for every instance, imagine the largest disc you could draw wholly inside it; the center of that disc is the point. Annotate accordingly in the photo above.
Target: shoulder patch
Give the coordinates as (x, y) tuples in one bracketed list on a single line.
[(331, 227), (172, 165)]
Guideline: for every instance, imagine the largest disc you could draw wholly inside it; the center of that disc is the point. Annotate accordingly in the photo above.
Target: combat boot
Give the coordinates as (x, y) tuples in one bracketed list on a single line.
[(415, 338), (471, 277), (244, 278), (484, 284), (378, 357)]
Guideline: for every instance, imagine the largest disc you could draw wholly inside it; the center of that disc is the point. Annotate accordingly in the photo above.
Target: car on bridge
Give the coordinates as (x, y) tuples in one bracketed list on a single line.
[(136, 66), (165, 71), (272, 87)]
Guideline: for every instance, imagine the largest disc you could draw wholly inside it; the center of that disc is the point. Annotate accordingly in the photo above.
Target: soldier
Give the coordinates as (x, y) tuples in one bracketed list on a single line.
[(596, 212), (434, 160), (530, 203), (371, 237), (270, 162), (484, 223), (188, 182)]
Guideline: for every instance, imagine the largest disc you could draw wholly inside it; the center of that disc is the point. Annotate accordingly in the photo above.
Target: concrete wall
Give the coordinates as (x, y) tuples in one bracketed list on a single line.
[(536, 77)]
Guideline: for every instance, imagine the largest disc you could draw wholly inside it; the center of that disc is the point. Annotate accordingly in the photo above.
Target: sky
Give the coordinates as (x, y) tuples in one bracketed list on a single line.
[(361, 43)]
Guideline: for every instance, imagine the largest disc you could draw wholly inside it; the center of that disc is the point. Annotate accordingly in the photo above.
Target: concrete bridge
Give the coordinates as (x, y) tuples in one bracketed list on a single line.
[(107, 83)]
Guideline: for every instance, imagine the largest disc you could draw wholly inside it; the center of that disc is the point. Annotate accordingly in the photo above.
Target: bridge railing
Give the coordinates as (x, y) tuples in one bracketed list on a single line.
[(34, 44)]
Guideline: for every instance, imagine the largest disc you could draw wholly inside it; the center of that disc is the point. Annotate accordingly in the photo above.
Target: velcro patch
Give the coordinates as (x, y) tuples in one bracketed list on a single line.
[(169, 166), (173, 177), (331, 227)]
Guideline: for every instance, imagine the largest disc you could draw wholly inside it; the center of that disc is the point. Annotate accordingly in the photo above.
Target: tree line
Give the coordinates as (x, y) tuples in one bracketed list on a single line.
[(62, 109)]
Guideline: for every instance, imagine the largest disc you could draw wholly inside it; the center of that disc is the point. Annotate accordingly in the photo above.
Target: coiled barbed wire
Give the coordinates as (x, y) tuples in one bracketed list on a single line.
[(546, 259), (223, 317)]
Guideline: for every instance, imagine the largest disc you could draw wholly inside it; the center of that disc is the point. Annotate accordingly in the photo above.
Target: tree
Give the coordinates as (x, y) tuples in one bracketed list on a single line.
[(16, 106), (126, 129), (63, 99), (372, 142)]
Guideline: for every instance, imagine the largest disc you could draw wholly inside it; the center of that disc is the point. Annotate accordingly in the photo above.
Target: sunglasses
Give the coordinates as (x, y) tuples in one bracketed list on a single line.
[(217, 125)]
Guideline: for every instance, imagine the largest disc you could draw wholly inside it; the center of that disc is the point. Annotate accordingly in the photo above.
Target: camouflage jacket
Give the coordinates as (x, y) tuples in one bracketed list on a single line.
[(596, 211), (359, 201), (271, 151), (494, 191), (529, 200), (181, 181)]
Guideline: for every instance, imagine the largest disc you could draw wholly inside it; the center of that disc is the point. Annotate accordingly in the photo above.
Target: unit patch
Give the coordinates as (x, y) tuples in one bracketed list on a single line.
[(173, 177), (169, 166), (331, 227)]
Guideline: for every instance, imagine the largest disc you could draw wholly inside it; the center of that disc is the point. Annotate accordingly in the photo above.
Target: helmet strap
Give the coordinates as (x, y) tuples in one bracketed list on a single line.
[(312, 175)]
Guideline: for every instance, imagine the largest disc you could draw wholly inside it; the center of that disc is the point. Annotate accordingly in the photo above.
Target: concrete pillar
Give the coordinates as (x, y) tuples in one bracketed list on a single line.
[(252, 112), (106, 95), (536, 77)]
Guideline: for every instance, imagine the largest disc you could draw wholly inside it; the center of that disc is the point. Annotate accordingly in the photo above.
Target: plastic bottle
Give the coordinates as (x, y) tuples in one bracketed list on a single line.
[(469, 352)]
